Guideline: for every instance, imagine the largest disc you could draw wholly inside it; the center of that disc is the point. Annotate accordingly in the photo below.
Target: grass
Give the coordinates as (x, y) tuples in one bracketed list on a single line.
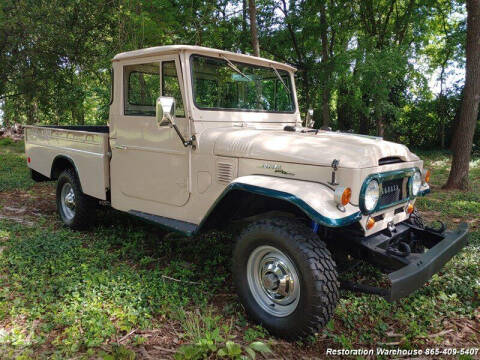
[(13, 170), (124, 289)]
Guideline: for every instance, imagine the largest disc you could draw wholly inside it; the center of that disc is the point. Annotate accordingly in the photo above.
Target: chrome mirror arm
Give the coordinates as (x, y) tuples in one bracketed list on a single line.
[(185, 142), (165, 112)]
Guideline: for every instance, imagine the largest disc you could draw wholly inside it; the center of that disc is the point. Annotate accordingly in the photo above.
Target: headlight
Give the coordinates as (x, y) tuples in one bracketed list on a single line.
[(416, 182), (372, 193)]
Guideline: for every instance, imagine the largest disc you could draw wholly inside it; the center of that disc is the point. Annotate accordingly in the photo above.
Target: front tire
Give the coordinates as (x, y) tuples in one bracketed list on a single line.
[(285, 277), (74, 207)]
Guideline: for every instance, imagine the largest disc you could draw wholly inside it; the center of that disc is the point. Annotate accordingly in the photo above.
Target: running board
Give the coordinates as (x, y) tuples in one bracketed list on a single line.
[(183, 227)]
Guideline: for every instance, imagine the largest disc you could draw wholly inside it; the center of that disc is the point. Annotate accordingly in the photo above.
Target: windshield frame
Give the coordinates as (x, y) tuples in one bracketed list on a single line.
[(292, 89)]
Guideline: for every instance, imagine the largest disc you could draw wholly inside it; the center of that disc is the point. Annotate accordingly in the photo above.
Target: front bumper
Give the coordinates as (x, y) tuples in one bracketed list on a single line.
[(428, 251), (413, 276)]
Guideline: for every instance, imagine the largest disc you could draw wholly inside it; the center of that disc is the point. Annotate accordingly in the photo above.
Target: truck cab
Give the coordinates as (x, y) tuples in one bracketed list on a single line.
[(201, 138), (152, 171)]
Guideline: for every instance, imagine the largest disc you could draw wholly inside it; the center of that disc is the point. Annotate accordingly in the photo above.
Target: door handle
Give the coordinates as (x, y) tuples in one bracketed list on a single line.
[(121, 147)]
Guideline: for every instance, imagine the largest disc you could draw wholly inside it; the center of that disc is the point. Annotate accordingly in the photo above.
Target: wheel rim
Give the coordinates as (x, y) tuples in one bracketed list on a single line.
[(273, 281), (68, 201)]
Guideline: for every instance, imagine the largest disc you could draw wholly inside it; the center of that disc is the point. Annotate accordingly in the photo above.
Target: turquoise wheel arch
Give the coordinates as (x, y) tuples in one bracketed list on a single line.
[(302, 205)]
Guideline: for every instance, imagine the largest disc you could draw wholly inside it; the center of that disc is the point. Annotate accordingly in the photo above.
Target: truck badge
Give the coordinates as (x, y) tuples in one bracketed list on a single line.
[(276, 168)]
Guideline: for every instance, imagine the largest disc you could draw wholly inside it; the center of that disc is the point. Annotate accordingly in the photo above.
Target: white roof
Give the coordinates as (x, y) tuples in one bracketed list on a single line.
[(161, 50)]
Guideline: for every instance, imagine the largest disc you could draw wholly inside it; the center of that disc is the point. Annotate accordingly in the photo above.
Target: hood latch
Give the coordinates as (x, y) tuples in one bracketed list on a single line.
[(334, 166)]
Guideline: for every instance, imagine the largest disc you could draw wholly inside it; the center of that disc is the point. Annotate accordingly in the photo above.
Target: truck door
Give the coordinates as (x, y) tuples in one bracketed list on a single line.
[(149, 166)]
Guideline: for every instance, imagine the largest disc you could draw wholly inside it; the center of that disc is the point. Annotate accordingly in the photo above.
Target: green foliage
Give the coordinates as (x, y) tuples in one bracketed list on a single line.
[(66, 294), (230, 350), (120, 352), (207, 336), (13, 171), (86, 287), (255, 332), (371, 73), (6, 141), (7, 145)]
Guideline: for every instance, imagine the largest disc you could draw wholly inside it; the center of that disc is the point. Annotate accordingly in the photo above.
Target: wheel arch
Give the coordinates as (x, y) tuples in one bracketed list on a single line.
[(256, 194), (59, 164)]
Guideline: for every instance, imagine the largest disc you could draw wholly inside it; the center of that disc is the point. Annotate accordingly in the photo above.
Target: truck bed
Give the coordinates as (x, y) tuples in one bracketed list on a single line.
[(85, 147), (87, 128)]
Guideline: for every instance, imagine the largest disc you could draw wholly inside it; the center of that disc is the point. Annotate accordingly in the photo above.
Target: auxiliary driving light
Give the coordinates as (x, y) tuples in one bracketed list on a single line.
[(370, 223), (342, 195), (409, 209)]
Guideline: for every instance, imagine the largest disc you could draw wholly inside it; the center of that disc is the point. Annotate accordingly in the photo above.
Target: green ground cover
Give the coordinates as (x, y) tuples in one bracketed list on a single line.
[(124, 289)]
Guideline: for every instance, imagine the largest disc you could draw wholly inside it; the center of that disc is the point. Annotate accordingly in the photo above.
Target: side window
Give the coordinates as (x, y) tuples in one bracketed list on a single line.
[(171, 86), (142, 88)]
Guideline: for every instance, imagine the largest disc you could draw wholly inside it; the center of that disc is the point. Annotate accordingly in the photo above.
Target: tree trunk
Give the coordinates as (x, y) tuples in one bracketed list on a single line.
[(442, 135), (364, 124), (380, 126), (253, 27), (326, 82), (463, 135), (364, 119), (244, 25), (30, 110), (344, 109)]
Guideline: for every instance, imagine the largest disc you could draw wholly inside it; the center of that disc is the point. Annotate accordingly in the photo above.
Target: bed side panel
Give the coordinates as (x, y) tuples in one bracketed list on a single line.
[(88, 151)]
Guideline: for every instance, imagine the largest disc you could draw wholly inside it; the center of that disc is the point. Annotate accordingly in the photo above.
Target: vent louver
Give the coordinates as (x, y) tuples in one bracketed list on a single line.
[(389, 160), (224, 172)]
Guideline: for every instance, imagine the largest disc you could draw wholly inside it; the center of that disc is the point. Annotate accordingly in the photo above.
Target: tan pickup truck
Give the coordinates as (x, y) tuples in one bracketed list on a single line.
[(201, 138)]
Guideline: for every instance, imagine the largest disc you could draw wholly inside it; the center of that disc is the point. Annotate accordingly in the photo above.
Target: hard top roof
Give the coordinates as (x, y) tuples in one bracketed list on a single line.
[(161, 50)]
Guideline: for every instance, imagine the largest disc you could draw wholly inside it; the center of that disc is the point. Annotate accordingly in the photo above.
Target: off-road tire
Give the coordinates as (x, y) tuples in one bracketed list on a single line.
[(85, 205), (314, 265)]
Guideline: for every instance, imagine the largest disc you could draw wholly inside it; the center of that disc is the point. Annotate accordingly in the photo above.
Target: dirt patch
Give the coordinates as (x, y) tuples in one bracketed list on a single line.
[(460, 333), (159, 343), (26, 206)]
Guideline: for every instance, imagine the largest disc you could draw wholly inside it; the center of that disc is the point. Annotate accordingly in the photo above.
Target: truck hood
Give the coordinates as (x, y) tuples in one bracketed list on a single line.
[(353, 151)]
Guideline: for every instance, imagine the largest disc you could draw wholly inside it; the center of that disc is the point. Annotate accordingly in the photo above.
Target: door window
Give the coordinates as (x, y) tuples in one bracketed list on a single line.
[(142, 88), (171, 86)]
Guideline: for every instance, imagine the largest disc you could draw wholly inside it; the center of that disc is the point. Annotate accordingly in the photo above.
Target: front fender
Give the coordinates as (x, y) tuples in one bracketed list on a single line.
[(314, 199)]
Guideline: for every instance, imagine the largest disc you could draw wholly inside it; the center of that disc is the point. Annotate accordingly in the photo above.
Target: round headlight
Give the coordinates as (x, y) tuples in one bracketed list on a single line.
[(416, 182), (372, 193)]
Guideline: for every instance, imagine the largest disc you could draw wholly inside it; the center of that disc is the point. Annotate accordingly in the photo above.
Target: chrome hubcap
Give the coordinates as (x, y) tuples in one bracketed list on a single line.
[(273, 281), (68, 201)]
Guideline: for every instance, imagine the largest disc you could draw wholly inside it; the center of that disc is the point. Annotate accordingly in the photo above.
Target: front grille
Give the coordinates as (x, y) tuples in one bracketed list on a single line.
[(392, 191)]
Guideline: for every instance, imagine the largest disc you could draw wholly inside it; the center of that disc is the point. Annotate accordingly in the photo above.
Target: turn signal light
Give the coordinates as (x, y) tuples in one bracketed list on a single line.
[(370, 223), (342, 195), (409, 209), (346, 196), (426, 175)]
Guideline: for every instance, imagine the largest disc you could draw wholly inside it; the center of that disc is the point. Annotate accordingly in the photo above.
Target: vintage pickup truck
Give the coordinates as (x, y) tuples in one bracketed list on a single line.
[(201, 138)]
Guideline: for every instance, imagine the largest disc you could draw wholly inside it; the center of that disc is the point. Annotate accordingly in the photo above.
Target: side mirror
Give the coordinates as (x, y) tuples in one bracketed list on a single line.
[(309, 122), (165, 111), (165, 115)]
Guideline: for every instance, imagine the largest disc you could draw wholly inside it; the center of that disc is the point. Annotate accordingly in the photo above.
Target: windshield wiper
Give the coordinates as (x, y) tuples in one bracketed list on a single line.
[(281, 80), (236, 69)]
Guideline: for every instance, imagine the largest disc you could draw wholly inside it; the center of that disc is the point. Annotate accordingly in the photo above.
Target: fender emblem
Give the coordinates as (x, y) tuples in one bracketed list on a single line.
[(276, 168)]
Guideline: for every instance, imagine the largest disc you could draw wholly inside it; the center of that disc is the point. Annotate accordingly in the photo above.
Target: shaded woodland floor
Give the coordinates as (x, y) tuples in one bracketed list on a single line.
[(126, 290)]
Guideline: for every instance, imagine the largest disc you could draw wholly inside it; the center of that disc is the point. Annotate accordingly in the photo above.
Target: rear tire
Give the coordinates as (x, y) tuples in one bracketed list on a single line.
[(76, 209), (285, 277)]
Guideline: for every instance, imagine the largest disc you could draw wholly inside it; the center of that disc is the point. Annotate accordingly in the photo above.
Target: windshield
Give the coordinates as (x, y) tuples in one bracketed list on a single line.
[(227, 85)]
